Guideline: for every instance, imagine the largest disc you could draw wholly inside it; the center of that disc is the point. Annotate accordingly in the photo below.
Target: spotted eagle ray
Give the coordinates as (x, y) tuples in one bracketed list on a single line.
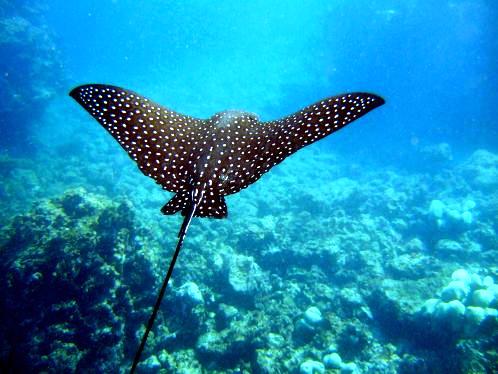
[(203, 160)]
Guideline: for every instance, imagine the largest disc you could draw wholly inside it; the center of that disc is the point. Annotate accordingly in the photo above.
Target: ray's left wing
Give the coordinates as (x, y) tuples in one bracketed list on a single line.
[(161, 141)]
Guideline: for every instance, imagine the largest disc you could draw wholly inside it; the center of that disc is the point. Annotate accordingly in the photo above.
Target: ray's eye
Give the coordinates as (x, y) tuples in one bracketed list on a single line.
[(223, 177)]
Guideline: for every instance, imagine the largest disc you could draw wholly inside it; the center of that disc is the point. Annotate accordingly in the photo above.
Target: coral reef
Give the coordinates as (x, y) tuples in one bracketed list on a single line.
[(71, 274), (467, 306), (339, 276)]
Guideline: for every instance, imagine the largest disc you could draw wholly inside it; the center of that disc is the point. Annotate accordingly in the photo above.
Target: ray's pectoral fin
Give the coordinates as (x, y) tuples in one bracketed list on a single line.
[(316, 122), (150, 133), (276, 140), (213, 206)]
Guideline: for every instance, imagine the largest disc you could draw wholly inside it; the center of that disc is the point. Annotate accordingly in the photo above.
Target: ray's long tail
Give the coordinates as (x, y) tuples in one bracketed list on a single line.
[(152, 318)]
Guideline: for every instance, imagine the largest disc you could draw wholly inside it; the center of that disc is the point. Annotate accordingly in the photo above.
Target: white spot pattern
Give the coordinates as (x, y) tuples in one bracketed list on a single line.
[(218, 156), (161, 141)]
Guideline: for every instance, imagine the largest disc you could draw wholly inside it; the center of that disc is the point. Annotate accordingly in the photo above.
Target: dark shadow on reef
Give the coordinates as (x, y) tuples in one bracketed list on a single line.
[(70, 271)]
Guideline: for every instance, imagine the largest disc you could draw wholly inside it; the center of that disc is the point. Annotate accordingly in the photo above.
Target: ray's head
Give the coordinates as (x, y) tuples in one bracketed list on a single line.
[(237, 118)]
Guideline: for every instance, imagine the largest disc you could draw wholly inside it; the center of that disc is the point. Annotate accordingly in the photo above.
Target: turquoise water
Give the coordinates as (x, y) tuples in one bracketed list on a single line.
[(372, 250)]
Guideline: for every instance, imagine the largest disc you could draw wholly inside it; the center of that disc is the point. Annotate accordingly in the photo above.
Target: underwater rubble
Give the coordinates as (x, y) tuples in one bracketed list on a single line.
[(379, 272)]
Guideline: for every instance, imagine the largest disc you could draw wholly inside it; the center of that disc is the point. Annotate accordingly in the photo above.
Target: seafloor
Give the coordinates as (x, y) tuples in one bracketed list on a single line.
[(324, 269)]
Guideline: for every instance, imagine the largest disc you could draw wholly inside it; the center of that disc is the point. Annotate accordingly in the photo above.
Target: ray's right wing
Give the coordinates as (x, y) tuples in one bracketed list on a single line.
[(269, 143), (161, 141), (289, 134)]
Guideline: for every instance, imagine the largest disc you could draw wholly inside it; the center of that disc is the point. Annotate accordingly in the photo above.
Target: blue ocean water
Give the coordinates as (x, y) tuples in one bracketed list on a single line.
[(373, 250)]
